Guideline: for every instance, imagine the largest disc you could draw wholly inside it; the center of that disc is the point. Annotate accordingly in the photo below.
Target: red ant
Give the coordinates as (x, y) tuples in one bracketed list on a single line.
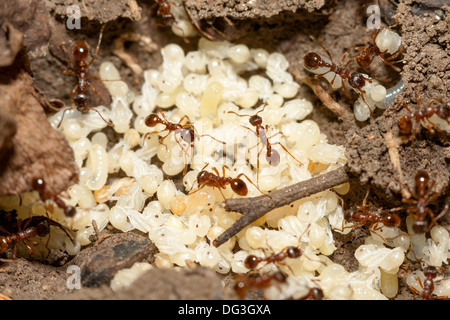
[(205, 178), (29, 228), (79, 97), (166, 15), (422, 196), (252, 261), (186, 131), (292, 252), (264, 281), (38, 184), (406, 125), (313, 61), (363, 213), (368, 53), (272, 155), (430, 274)]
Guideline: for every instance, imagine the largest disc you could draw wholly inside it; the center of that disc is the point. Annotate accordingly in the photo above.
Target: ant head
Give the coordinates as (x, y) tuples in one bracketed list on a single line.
[(422, 179), (357, 80), (405, 125), (239, 186), (391, 220), (70, 211), (152, 120), (202, 177), (293, 252), (312, 61), (38, 184), (255, 120), (43, 229), (251, 261), (81, 100), (80, 51)]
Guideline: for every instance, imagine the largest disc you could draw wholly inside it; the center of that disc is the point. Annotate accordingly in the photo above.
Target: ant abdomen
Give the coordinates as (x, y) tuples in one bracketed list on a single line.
[(273, 158), (239, 187)]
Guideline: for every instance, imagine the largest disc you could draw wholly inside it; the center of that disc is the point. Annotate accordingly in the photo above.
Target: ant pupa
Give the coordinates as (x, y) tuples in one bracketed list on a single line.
[(382, 41), (79, 69)]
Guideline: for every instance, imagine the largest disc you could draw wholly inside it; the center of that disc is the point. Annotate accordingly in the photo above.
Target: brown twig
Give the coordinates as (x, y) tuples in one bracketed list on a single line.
[(341, 112), (255, 207)]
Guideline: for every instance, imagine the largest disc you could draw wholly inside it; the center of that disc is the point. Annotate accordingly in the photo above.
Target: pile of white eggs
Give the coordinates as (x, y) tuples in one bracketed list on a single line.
[(122, 185)]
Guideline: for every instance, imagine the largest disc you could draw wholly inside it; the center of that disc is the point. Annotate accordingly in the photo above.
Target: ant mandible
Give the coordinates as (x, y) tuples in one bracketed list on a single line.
[(272, 155), (38, 184), (79, 97)]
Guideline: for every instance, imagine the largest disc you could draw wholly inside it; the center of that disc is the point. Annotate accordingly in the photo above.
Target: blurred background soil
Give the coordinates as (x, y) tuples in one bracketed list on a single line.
[(293, 27)]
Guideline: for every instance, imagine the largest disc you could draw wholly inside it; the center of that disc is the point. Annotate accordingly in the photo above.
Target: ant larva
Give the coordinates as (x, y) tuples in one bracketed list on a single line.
[(316, 63), (244, 283), (38, 184), (205, 178), (364, 213), (420, 199), (272, 155), (79, 97), (409, 124)]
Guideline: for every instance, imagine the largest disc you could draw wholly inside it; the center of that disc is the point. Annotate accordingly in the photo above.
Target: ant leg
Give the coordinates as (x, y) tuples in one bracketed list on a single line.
[(64, 112), (98, 45), (285, 149), (107, 122), (61, 45)]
